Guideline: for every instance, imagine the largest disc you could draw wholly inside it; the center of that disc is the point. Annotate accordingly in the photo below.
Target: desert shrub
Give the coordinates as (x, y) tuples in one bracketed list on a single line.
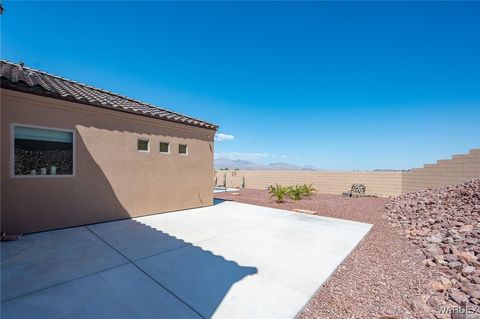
[(308, 190), (279, 192), (295, 192)]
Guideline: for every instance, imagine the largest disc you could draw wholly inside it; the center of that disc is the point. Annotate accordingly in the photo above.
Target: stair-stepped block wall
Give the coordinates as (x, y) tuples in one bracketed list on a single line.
[(445, 172)]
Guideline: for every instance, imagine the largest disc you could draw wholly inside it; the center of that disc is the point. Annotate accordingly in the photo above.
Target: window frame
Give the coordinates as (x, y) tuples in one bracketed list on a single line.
[(148, 144), (12, 151), (160, 148), (186, 148)]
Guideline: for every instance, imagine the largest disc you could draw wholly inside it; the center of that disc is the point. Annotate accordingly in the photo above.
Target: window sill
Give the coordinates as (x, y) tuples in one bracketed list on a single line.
[(41, 176)]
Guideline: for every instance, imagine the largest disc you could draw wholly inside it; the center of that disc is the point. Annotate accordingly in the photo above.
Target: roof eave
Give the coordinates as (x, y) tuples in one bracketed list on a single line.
[(37, 90)]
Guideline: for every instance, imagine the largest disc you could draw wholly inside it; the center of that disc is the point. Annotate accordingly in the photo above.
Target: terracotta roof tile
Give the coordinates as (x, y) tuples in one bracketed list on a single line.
[(20, 78)]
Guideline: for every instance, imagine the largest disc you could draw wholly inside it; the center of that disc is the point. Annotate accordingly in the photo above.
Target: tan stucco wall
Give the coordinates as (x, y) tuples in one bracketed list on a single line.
[(445, 172), (113, 180)]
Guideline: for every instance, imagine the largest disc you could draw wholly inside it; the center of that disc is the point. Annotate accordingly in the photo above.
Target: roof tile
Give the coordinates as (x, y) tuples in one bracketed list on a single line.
[(24, 79)]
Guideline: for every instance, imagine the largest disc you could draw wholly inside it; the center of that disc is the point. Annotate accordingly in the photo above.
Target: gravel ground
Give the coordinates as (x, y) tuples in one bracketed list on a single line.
[(382, 278), (445, 224)]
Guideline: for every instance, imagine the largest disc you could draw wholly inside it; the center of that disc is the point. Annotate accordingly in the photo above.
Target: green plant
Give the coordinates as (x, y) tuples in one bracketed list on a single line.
[(295, 192), (308, 190), (279, 192)]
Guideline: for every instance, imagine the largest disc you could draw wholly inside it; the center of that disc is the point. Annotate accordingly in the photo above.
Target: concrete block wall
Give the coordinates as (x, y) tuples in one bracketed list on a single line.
[(377, 183), (445, 172)]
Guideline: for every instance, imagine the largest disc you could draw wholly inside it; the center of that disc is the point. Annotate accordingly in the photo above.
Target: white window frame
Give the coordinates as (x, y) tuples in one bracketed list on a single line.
[(179, 149), (169, 147), (148, 144), (12, 151)]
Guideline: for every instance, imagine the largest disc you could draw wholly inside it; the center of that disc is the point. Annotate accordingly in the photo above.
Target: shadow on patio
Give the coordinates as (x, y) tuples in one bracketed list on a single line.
[(44, 272)]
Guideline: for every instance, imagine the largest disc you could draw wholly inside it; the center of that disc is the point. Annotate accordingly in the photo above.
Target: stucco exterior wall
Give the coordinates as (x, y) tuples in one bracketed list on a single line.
[(112, 179)]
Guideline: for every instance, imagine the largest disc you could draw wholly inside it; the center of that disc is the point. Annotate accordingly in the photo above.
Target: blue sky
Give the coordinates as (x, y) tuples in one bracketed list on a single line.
[(336, 85)]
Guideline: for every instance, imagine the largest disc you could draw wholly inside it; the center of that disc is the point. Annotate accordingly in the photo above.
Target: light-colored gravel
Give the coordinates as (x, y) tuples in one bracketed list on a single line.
[(382, 278)]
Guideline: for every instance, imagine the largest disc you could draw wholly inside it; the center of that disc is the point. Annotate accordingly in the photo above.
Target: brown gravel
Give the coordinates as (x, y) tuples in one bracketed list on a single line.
[(445, 224), (382, 278)]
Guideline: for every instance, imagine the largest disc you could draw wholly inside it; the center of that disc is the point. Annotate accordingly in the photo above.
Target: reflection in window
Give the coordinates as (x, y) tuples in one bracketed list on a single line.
[(42, 151), (164, 147), (182, 149), (142, 145)]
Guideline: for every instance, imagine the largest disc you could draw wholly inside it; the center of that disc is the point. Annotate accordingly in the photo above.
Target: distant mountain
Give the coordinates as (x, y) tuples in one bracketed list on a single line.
[(223, 163), (286, 166)]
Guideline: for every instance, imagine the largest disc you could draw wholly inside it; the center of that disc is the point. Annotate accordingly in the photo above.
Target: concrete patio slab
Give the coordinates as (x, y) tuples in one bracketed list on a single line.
[(45, 259), (142, 241), (229, 260), (122, 292), (283, 261), (198, 277), (199, 224)]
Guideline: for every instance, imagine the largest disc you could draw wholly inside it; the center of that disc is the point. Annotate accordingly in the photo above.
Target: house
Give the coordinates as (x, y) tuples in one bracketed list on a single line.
[(73, 154)]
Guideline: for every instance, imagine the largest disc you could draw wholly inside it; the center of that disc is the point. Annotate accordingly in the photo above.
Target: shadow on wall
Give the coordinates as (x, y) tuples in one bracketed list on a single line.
[(151, 182), (107, 186), (196, 277), (37, 204)]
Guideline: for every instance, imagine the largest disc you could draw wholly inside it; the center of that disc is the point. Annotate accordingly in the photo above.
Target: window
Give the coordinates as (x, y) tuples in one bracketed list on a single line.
[(143, 145), (182, 149), (40, 151), (165, 147)]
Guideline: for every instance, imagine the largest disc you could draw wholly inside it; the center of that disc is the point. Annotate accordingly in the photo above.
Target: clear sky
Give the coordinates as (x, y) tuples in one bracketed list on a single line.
[(335, 85)]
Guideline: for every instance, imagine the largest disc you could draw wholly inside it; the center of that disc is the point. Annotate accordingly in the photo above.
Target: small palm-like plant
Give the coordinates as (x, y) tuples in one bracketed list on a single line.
[(295, 192), (308, 190), (279, 192)]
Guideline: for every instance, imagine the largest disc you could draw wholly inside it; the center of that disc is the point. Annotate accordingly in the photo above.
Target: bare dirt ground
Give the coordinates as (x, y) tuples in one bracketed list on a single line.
[(382, 278)]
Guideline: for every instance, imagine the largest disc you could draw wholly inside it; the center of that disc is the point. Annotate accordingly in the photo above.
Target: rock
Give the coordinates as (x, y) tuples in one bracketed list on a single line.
[(471, 290), (435, 301), (433, 250), (439, 259), (451, 257), (472, 241), (455, 265), (429, 262), (416, 306), (466, 228), (445, 282), (475, 293), (437, 285), (467, 257), (459, 297), (468, 270), (434, 239), (444, 224)]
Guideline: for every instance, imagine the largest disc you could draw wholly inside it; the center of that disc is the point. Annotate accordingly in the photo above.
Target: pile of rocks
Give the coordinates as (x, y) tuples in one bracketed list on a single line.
[(358, 189), (445, 224), (28, 160)]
